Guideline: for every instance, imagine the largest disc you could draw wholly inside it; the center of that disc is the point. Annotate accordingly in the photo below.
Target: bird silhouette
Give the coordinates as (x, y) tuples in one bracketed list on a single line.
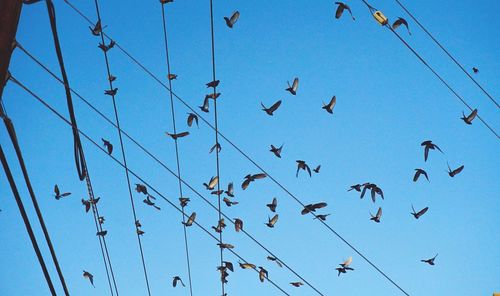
[(230, 21), (205, 106), (401, 21), (428, 145), (149, 202), (176, 280), (419, 172), (429, 261), (178, 135), (321, 217), (313, 207), (108, 145), (251, 178), (374, 190), (141, 189), (270, 110), (469, 118), (454, 172), (212, 183), (329, 107), (183, 201), (106, 47), (356, 187), (101, 219), (111, 78), (247, 265), (89, 276), (272, 206), (230, 190), (97, 29), (225, 246), (87, 205), (263, 274), (229, 202), (238, 224), (57, 193), (272, 221), (276, 151), (297, 284), (377, 217), (214, 83), (344, 267), (171, 76), (316, 170), (274, 259), (192, 117), (215, 146), (212, 96), (102, 233), (190, 220), (301, 165), (111, 92), (293, 88), (475, 70), (340, 10), (419, 213)]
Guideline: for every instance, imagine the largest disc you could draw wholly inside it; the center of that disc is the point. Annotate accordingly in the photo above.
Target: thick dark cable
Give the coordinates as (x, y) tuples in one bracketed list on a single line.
[(26, 221), (216, 131), (447, 53), (134, 174), (172, 109), (122, 148), (12, 133), (165, 166)]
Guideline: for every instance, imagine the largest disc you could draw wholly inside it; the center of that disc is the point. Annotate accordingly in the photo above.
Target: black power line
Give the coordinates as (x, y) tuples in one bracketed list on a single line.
[(45, 104), (168, 169), (447, 53), (122, 148), (172, 109)]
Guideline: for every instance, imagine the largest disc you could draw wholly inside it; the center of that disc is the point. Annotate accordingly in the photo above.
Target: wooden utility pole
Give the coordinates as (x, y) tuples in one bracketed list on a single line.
[(10, 10)]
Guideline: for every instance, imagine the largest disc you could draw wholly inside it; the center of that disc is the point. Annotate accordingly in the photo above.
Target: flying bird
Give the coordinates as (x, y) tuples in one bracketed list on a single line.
[(297, 284), (316, 170), (340, 10), (419, 172), (190, 220), (251, 178), (419, 213), (428, 145), (313, 207), (215, 146), (247, 265), (271, 109), (454, 172), (192, 117), (329, 107), (177, 279), (212, 96), (263, 274), (89, 276), (272, 206), (141, 189), (270, 222), (377, 217), (149, 202), (344, 267), (97, 29), (101, 219), (321, 217), (238, 224), (212, 183), (293, 88), (271, 258), (356, 187), (205, 106), (229, 202), (429, 261), (401, 21), (475, 70), (230, 190), (108, 146), (87, 205), (230, 21), (276, 151), (178, 135), (183, 201), (58, 195), (301, 165), (469, 118), (214, 83)]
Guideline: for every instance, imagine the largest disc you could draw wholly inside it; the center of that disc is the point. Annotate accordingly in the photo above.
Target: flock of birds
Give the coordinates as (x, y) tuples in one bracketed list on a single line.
[(363, 188)]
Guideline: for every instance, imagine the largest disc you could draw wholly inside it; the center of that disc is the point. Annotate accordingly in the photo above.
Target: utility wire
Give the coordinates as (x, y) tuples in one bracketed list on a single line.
[(172, 109), (45, 104), (447, 53), (156, 159), (13, 137), (115, 108), (26, 221)]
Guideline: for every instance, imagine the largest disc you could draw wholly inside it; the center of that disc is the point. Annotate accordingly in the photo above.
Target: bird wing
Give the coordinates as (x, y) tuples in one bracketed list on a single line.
[(426, 152), (274, 220), (417, 174), (472, 115), (422, 211), (333, 101), (295, 84), (245, 184), (379, 212), (259, 176), (213, 182), (347, 262), (340, 10), (235, 17), (275, 106), (308, 170), (458, 170)]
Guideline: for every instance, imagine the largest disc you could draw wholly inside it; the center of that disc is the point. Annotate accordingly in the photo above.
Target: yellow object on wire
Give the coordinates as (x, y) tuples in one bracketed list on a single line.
[(380, 18)]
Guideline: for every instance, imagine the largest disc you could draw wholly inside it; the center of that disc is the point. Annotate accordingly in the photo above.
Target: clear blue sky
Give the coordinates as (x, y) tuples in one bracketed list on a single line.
[(387, 103)]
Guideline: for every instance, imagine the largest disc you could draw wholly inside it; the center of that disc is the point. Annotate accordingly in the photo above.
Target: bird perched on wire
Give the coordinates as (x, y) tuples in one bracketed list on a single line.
[(107, 47), (329, 107), (419, 213), (454, 172), (176, 280), (469, 118), (272, 206), (272, 221), (263, 274), (247, 265), (377, 217), (192, 118), (89, 276), (97, 29), (313, 207), (276, 151), (171, 76), (149, 202), (251, 178), (111, 92), (178, 135), (220, 226), (344, 267), (428, 145), (429, 261), (57, 193), (212, 183), (190, 220), (225, 246), (270, 110), (293, 88), (401, 21), (340, 10), (230, 21), (102, 233), (238, 224), (215, 146), (419, 172), (213, 83), (108, 145), (301, 165)]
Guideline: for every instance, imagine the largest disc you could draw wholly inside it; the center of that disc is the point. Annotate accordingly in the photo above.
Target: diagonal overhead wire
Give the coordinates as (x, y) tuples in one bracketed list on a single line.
[(122, 148), (172, 109), (447, 53), (162, 164), (45, 104)]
